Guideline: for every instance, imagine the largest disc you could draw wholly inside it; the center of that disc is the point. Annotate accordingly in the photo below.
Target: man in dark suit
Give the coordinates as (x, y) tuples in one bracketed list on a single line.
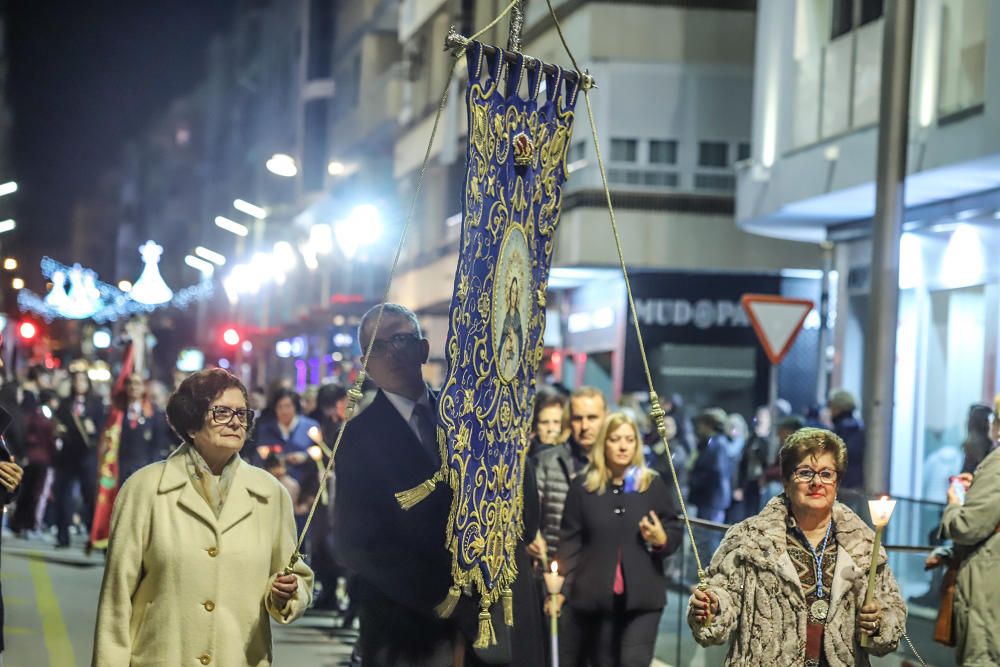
[(398, 557)]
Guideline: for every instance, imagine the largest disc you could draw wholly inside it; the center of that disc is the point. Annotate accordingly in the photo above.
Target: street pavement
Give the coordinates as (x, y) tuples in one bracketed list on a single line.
[(51, 606)]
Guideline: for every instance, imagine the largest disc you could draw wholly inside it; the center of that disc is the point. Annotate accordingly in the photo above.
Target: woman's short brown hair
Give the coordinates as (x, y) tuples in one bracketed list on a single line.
[(809, 442), (189, 404)]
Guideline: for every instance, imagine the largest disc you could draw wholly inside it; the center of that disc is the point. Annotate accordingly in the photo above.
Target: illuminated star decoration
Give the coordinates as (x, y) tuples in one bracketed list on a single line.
[(86, 296)]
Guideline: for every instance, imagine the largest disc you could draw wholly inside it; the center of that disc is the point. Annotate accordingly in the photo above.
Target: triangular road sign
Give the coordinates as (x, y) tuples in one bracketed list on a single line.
[(777, 321)]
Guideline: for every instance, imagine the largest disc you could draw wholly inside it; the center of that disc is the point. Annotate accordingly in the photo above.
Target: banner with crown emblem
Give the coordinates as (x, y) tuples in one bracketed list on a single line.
[(516, 166)]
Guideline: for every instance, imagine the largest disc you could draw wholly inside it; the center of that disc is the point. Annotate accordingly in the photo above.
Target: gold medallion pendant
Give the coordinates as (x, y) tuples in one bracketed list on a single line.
[(819, 609)]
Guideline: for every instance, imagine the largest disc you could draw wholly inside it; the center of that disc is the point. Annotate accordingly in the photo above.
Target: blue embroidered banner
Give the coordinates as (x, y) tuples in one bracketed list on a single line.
[(516, 166)]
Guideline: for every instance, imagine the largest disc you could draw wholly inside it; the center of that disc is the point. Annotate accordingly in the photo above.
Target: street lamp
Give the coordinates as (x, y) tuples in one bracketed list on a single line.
[(231, 226), (336, 168), (7, 225), (10, 264), (362, 227), (10, 187), (17, 283), (252, 210), (210, 255), (281, 164)]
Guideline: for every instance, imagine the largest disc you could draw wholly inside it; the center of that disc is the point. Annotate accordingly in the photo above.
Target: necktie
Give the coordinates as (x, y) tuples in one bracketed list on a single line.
[(425, 425)]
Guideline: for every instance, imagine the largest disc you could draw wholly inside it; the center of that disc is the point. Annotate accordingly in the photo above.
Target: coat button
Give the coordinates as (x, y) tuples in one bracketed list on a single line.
[(213, 552), (205, 659), (209, 606)]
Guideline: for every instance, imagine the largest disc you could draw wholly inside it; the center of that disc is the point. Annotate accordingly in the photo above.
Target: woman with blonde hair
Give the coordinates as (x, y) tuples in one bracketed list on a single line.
[(619, 524)]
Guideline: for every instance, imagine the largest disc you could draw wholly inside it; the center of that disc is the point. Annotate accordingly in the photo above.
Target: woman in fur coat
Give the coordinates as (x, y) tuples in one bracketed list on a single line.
[(787, 587)]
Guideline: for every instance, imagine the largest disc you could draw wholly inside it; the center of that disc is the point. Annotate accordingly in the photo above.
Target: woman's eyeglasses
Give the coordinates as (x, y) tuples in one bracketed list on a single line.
[(806, 475), (395, 343), (223, 415)]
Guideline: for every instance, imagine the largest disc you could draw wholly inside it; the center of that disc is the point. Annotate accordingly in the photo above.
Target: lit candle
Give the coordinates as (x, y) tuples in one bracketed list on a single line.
[(880, 511), (315, 434), (554, 584), (315, 453), (263, 451)]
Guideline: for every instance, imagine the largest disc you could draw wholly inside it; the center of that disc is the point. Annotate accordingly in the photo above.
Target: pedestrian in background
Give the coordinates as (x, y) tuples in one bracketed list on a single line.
[(977, 444), (81, 414), (559, 464), (619, 524), (549, 421), (10, 481), (711, 475), (39, 454), (198, 545), (973, 525), (145, 435), (846, 424)]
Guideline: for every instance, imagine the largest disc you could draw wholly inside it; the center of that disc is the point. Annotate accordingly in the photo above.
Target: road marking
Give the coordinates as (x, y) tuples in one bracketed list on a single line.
[(54, 628)]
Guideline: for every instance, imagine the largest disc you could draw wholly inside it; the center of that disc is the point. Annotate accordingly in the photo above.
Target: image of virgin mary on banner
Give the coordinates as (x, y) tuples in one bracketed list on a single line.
[(516, 166)]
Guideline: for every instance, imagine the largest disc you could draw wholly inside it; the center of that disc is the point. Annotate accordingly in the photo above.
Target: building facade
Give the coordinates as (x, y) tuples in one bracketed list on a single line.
[(812, 176)]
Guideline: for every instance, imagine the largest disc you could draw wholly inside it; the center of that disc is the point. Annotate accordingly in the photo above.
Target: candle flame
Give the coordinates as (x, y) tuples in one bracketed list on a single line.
[(554, 567), (315, 453), (315, 434), (884, 498)]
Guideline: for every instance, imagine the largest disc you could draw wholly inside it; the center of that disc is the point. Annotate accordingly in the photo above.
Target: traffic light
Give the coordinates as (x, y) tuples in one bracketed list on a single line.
[(27, 331), (231, 337)]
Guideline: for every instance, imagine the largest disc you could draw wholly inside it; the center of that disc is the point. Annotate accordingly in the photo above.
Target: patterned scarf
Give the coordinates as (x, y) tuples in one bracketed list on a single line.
[(213, 488)]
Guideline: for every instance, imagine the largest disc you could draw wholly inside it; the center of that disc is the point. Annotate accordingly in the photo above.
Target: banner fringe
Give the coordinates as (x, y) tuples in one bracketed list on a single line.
[(447, 606), (487, 637)]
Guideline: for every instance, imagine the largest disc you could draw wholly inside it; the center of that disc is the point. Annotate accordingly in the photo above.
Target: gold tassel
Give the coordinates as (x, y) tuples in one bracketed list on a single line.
[(447, 606), (412, 497), (487, 637), (508, 606)]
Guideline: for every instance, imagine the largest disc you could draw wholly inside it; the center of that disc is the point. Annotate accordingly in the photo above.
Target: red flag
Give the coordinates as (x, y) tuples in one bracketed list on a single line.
[(107, 452)]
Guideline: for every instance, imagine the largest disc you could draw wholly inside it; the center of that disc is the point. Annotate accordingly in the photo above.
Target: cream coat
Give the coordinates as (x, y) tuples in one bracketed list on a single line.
[(184, 588), (761, 603)]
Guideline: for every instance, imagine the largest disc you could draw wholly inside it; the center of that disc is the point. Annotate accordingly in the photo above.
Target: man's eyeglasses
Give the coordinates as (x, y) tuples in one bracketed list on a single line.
[(395, 343), (223, 415), (806, 476)]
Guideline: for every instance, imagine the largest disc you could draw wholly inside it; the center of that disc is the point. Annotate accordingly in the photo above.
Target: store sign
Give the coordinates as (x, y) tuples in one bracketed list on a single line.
[(701, 314)]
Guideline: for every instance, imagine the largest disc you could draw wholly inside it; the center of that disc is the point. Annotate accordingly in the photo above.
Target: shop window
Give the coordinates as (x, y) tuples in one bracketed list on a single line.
[(624, 150), (663, 151), (713, 154), (743, 151)]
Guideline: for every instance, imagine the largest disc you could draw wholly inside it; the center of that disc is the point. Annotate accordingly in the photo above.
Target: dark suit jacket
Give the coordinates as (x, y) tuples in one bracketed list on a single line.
[(76, 444), (398, 554), (595, 530)]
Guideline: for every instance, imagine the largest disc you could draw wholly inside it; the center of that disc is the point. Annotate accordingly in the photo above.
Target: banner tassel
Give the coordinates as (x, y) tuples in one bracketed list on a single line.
[(447, 606), (412, 497), (487, 637), (508, 606)]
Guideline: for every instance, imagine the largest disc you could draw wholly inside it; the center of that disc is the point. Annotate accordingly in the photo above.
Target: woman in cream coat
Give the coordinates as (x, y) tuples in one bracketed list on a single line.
[(198, 546)]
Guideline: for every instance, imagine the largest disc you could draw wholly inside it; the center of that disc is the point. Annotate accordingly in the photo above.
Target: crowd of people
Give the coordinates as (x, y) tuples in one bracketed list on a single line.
[(219, 466)]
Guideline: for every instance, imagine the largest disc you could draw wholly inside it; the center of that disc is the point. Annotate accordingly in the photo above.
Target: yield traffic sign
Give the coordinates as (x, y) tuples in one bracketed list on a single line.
[(777, 321)]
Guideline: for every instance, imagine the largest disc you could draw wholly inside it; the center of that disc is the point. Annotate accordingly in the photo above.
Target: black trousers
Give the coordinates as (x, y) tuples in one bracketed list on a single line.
[(84, 471), (32, 485), (617, 638)]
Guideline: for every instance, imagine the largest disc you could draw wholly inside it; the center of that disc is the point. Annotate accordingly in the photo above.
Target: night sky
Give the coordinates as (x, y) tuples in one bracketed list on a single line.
[(83, 78)]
